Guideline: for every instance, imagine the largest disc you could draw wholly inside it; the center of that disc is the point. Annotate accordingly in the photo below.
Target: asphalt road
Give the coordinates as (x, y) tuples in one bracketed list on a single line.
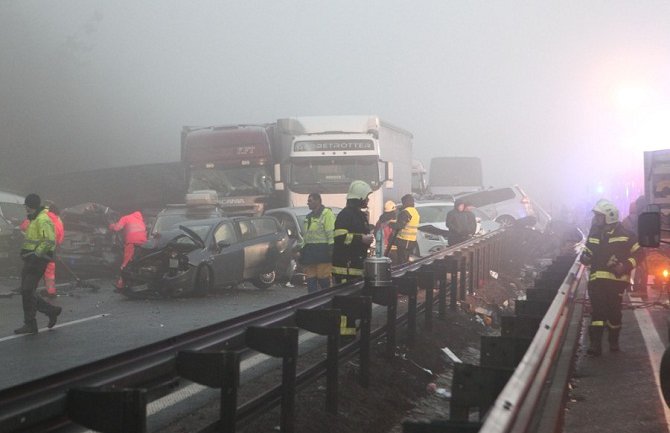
[(99, 324)]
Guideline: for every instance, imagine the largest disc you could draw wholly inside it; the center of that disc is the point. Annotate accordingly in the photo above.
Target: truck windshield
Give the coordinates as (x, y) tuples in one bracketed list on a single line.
[(332, 175), (229, 182)]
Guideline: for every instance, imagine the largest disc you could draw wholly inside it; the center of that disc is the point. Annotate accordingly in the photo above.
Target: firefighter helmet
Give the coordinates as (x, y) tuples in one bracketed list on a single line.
[(359, 189), (389, 206), (607, 208)]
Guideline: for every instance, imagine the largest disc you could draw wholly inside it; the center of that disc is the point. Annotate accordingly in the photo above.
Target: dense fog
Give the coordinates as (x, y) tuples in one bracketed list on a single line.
[(559, 97)]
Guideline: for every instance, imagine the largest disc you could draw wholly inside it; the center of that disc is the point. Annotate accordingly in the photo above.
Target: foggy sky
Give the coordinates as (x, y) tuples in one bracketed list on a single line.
[(555, 96)]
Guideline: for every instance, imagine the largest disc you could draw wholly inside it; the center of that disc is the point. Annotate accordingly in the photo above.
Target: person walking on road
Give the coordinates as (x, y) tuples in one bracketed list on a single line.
[(461, 223), (317, 248), (134, 233), (612, 253), (352, 235), (406, 228), (37, 251)]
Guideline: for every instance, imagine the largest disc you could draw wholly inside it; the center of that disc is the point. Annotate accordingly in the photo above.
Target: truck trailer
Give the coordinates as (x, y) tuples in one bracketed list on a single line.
[(324, 154), (235, 161)]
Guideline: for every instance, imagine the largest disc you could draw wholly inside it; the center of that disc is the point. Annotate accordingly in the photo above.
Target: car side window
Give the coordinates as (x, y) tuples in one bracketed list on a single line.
[(246, 230), (226, 234), (502, 194), (287, 223), (265, 226)]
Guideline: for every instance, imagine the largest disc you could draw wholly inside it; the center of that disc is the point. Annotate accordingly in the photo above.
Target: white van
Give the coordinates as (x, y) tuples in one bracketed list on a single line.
[(11, 207)]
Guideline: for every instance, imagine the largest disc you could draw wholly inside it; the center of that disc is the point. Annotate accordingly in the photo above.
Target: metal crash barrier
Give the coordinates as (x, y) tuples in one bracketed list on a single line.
[(211, 355)]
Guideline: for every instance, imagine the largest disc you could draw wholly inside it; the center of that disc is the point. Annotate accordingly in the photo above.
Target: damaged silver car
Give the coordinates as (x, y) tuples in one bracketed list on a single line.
[(200, 255)]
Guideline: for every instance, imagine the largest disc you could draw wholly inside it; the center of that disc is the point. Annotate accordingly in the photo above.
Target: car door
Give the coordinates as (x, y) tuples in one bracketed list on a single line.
[(227, 254), (271, 234), (254, 250)]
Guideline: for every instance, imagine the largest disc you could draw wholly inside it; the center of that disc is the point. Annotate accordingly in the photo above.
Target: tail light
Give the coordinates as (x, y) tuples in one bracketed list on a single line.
[(665, 274)]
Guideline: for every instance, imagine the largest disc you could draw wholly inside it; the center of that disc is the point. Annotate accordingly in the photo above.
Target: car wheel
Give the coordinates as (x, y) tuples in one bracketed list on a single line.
[(505, 220), (203, 280), (263, 281)]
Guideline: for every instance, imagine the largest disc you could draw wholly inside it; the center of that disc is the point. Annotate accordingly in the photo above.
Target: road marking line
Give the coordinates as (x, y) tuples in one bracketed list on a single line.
[(85, 319), (655, 349)]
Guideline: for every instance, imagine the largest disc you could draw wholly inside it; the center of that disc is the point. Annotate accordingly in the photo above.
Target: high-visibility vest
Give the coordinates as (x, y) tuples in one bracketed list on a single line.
[(319, 230), (40, 235), (408, 233)]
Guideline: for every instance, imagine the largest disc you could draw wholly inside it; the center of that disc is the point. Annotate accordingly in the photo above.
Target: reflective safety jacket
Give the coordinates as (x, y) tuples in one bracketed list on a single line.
[(59, 230), (134, 230), (40, 236), (614, 245), (408, 231), (349, 251), (318, 237)]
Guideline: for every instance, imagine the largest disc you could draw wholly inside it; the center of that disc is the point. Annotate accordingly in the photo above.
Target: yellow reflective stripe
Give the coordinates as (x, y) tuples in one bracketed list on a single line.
[(587, 250), (594, 240), (633, 262), (619, 239), (635, 247), (607, 276), (597, 323), (348, 239), (609, 324), (346, 271), (341, 232), (343, 327)]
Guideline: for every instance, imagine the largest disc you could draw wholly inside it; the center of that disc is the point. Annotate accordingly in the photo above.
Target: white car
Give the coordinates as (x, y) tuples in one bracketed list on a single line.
[(434, 213)]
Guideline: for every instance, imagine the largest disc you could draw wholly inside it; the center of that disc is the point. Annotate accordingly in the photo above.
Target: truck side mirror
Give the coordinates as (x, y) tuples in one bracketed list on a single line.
[(649, 229)]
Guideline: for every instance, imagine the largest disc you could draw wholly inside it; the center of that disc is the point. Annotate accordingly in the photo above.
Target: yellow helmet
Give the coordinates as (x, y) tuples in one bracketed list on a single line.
[(389, 206), (607, 208), (359, 189)]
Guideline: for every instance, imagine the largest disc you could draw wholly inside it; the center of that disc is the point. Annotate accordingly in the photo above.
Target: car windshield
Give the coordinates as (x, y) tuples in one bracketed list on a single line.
[(332, 175), (233, 181), (168, 221), (434, 214), (200, 229), (13, 211)]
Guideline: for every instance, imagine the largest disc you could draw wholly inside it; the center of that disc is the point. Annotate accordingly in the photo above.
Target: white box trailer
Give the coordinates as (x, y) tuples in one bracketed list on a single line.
[(325, 154)]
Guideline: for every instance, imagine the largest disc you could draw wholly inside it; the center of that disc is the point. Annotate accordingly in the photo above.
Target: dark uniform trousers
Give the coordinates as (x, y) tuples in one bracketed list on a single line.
[(31, 274)]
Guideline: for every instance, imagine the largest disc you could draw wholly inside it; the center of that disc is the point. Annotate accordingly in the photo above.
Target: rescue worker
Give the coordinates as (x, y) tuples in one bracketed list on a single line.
[(50, 273), (406, 228), (384, 224), (352, 234), (460, 222), (317, 247), (640, 275), (611, 252), (134, 233), (37, 251)]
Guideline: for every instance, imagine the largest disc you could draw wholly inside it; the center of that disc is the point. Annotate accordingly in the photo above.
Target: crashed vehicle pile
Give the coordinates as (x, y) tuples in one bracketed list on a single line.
[(89, 247), (196, 256)]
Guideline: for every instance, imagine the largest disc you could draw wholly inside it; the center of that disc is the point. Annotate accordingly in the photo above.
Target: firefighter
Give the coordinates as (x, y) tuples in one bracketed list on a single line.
[(406, 228), (37, 251), (611, 252), (352, 234), (384, 224), (317, 248), (134, 233)]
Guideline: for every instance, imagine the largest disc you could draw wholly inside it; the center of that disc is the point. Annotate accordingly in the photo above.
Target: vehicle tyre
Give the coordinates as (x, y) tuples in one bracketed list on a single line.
[(505, 220), (263, 281), (204, 280)]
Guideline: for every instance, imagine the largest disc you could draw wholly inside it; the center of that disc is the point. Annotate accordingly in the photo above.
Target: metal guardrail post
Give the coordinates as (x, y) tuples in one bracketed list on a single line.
[(386, 296), (108, 410), (471, 269), (441, 267), (325, 322), (359, 308), (475, 386), (279, 343), (452, 269), (216, 370), (462, 270), (427, 283), (408, 286), (502, 352)]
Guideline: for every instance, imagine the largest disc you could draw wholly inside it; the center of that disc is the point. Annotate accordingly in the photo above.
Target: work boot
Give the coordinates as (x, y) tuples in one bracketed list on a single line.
[(53, 316), (595, 341), (27, 328), (613, 339)]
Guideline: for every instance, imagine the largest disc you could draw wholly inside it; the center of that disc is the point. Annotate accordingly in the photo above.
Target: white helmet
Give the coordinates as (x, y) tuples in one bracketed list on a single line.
[(607, 208), (389, 206), (359, 189)]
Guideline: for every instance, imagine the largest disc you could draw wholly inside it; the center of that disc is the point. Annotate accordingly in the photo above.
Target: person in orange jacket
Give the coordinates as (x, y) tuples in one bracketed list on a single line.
[(134, 233), (50, 273)]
